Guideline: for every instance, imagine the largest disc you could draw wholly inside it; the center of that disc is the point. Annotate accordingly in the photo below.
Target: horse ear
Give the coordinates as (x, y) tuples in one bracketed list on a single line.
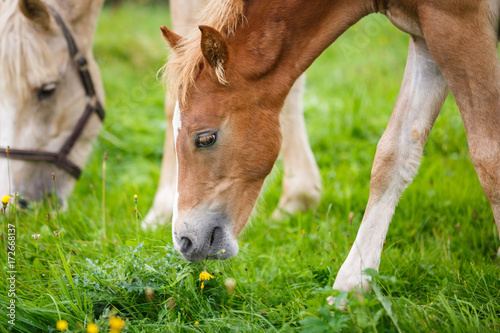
[(215, 50), (170, 37), (83, 12), (36, 11)]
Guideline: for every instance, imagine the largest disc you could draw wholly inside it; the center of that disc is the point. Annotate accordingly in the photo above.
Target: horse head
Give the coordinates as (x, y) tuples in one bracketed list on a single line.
[(41, 93), (226, 129)]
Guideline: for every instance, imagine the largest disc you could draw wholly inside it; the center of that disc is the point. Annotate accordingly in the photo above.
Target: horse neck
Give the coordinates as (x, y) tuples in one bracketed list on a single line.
[(281, 39)]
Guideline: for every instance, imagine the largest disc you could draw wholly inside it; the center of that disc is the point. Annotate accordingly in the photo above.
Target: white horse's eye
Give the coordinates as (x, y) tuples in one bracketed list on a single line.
[(206, 140), (46, 91)]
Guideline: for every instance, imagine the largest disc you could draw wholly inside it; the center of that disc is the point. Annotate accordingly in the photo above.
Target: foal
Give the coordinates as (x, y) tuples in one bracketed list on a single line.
[(301, 179), (232, 79), (42, 97)]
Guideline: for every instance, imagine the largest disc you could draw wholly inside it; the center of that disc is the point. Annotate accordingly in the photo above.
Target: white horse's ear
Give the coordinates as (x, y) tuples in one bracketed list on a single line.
[(215, 50), (79, 11), (81, 16), (170, 37), (36, 11)]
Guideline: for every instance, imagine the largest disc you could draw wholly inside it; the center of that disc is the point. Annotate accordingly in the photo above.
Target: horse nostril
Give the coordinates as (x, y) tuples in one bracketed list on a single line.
[(185, 245), (214, 235)]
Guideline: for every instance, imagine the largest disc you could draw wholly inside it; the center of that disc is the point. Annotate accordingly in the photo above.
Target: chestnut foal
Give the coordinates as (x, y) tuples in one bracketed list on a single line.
[(232, 79), (301, 179)]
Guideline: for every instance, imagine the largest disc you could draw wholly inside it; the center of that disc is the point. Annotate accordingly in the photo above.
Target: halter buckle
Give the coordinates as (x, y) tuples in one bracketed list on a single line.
[(81, 62)]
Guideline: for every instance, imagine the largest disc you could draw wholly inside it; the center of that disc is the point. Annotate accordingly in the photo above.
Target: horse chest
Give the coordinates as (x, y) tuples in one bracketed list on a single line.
[(402, 13)]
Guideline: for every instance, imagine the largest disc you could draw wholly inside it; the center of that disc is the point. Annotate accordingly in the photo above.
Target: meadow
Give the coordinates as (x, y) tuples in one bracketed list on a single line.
[(439, 271)]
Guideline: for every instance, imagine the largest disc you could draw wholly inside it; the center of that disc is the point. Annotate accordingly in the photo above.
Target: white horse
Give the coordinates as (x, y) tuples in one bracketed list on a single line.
[(301, 179), (44, 94)]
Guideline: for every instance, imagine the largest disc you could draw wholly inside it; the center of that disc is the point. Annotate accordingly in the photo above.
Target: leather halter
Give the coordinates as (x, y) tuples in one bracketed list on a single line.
[(60, 159)]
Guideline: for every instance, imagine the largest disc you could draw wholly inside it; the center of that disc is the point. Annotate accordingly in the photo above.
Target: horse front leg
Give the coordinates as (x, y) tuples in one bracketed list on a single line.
[(421, 97), (301, 179)]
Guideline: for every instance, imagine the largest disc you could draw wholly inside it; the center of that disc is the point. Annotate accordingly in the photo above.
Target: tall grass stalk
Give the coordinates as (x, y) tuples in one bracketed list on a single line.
[(136, 213), (4, 217), (103, 199), (8, 169), (4, 229), (56, 203)]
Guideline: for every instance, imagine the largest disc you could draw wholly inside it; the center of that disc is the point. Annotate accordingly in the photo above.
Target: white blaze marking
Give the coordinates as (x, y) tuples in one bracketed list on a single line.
[(176, 121), (176, 124)]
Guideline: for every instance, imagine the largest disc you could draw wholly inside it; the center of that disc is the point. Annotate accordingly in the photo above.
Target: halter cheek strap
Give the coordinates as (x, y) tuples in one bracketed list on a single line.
[(60, 158)]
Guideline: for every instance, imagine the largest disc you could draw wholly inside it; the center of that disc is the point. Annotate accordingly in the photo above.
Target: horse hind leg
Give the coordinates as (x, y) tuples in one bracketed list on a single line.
[(422, 95), (301, 179), (470, 64)]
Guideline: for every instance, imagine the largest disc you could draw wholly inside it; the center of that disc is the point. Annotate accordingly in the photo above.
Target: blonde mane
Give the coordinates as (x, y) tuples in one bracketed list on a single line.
[(23, 56), (183, 64)]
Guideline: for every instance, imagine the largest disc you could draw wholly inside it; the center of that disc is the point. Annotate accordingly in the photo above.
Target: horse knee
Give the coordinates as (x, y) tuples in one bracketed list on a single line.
[(396, 161), (386, 158)]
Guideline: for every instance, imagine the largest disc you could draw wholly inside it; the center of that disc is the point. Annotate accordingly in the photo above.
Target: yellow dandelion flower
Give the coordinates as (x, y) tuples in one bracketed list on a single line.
[(92, 328), (62, 325), (202, 285), (196, 323), (116, 323), (5, 199), (135, 198), (205, 276)]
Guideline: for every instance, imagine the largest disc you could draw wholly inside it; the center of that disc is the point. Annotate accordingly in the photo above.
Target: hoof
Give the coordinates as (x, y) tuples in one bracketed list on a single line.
[(341, 306), (153, 220), (278, 214), (293, 203)]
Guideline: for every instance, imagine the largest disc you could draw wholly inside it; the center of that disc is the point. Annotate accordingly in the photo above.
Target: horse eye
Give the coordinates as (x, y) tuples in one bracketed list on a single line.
[(46, 91), (206, 140)]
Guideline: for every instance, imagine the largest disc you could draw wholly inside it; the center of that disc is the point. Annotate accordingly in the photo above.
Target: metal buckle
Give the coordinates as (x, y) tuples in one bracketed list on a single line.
[(92, 101), (81, 62)]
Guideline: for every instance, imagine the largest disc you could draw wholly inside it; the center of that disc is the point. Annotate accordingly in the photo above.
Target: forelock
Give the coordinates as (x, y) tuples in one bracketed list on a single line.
[(22, 55), (183, 65)]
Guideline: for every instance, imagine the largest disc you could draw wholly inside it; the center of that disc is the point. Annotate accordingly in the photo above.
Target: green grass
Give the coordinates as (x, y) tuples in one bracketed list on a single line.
[(438, 270)]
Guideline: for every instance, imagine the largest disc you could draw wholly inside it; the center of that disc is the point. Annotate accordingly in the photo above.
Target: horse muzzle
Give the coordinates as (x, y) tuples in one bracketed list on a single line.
[(212, 238)]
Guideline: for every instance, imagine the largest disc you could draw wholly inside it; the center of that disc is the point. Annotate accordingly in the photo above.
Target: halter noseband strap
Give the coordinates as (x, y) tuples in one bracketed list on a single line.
[(60, 159)]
